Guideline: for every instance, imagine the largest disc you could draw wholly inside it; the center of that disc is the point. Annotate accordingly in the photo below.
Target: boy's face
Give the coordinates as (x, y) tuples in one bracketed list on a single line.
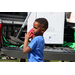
[(37, 29)]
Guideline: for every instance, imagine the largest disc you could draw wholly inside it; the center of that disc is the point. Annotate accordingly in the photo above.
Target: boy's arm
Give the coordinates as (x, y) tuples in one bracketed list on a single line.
[(26, 49)]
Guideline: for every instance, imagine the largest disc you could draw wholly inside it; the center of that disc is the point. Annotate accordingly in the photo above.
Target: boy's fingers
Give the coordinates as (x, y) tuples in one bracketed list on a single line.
[(25, 33), (29, 33)]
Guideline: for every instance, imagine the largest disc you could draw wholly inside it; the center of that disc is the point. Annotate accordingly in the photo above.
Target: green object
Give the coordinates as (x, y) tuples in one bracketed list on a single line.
[(5, 40), (4, 37), (74, 35), (21, 45), (70, 44), (8, 44)]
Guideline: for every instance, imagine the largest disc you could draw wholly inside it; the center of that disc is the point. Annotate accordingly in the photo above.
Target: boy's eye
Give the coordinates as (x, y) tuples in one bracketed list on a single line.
[(35, 27)]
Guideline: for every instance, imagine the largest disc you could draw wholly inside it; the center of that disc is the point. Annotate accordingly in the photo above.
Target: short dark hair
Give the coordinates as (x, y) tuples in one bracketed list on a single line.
[(42, 21)]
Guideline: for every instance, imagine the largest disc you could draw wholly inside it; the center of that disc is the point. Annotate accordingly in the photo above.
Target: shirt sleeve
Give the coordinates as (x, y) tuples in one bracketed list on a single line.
[(32, 44)]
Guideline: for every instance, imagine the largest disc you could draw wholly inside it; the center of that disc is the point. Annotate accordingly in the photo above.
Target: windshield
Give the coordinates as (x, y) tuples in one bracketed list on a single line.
[(14, 13), (15, 16)]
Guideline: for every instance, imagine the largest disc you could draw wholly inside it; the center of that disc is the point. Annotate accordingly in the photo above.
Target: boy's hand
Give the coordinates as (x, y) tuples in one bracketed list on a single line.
[(26, 49), (27, 36)]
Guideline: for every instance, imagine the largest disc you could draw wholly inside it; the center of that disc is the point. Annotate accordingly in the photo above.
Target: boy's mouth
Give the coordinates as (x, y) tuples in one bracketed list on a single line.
[(33, 33)]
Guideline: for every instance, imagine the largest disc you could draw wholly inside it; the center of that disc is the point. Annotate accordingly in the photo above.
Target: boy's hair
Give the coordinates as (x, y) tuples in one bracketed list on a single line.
[(42, 21)]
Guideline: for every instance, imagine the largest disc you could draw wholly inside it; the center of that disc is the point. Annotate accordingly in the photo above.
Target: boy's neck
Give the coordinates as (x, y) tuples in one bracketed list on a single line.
[(40, 35)]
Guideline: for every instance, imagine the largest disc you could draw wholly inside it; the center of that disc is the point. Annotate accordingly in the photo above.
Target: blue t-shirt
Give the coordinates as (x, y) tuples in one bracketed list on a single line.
[(37, 47)]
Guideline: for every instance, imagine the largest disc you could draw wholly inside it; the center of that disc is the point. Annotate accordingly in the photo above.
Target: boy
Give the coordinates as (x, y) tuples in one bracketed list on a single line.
[(36, 46)]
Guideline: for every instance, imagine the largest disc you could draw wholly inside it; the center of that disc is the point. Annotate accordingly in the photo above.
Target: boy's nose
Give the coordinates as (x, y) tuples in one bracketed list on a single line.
[(33, 29)]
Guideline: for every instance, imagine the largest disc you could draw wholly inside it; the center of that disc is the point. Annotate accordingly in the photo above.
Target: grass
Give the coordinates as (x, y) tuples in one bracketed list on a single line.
[(55, 61), (58, 61), (18, 60), (5, 60)]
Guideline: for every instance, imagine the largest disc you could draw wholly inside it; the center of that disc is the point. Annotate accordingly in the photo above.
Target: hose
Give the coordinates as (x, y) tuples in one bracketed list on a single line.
[(7, 43), (70, 44)]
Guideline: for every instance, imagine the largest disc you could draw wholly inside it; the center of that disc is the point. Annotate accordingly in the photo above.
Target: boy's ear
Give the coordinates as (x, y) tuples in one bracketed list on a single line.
[(43, 30)]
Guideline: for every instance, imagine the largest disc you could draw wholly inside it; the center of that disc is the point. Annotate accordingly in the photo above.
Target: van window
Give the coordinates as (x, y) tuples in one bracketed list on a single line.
[(15, 16), (14, 13)]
